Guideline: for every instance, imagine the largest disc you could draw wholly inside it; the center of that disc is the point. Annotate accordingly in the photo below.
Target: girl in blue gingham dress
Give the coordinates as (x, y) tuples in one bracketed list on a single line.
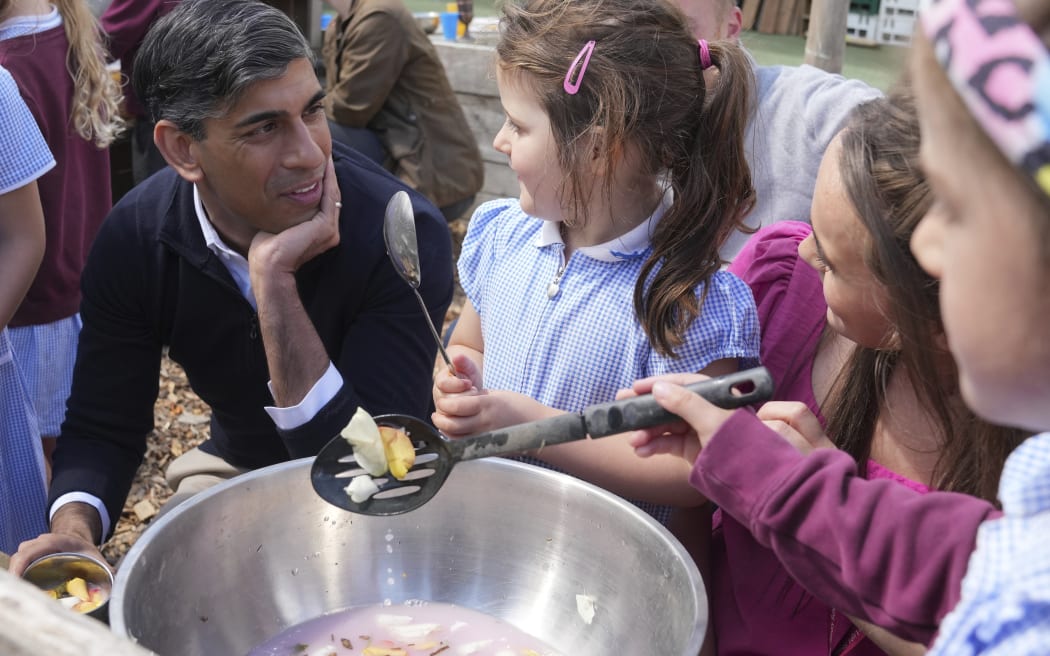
[(605, 269), (24, 157)]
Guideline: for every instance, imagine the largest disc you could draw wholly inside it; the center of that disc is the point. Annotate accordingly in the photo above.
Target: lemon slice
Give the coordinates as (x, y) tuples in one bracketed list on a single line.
[(363, 434)]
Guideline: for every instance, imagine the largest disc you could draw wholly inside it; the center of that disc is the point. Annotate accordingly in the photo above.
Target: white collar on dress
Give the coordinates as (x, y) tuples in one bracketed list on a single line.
[(32, 24), (626, 246)]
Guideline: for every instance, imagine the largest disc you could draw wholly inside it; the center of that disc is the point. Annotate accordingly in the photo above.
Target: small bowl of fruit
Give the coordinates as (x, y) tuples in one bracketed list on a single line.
[(78, 582)]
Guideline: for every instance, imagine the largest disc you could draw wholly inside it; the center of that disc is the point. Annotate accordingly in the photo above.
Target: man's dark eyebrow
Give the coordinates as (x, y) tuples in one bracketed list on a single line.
[(318, 97), (272, 114)]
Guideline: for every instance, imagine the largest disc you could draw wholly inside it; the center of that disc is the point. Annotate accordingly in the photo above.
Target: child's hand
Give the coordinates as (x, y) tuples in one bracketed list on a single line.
[(645, 385), (484, 410), (796, 424), (468, 380), (683, 438)]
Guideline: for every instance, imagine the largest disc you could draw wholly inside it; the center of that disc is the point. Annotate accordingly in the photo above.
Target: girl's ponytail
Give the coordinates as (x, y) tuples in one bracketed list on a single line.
[(96, 96), (726, 112), (712, 188)]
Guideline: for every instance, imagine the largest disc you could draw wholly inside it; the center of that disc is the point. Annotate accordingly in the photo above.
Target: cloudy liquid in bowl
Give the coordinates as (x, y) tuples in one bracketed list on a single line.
[(416, 628)]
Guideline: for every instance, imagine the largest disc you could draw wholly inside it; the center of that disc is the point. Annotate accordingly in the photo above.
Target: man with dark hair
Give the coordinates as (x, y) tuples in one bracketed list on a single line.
[(256, 260)]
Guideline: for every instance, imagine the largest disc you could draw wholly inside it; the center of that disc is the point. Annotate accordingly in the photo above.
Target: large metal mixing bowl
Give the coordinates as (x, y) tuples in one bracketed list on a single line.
[(244, 560)]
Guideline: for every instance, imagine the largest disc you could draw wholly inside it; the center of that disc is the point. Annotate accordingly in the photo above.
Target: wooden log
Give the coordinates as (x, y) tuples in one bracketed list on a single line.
[(826, 40), (32, 624), (751, 8), (788, 17), (767, 19)]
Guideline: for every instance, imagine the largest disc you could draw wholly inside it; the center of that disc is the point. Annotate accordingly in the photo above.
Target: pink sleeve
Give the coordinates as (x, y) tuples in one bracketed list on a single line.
[(767, 261), (791, 308), (870, 548)]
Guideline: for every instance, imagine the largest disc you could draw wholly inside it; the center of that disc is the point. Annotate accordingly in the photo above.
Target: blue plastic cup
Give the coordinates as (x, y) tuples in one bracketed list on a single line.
[(449, 24), (325, 20)]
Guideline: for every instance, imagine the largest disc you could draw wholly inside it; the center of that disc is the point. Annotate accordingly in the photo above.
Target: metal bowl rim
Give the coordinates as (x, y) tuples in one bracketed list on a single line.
[(116, 599)]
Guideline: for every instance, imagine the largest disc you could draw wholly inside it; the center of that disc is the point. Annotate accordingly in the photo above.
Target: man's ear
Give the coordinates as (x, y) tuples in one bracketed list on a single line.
[(734, 23), (179, 150)]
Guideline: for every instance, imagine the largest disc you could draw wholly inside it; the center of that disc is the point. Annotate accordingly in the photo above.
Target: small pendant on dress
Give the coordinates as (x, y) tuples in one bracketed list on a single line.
[(554, 287)]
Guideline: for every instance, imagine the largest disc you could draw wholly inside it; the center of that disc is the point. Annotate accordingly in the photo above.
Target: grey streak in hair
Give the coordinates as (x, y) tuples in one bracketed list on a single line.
[(197, 61)]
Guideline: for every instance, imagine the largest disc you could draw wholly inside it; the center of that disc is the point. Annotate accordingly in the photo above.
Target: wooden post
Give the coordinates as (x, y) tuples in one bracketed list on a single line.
[(826, 41), (31, 624)]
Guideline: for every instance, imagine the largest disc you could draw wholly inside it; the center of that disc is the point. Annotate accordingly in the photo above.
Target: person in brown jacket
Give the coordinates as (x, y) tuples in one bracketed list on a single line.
[(389, 98)]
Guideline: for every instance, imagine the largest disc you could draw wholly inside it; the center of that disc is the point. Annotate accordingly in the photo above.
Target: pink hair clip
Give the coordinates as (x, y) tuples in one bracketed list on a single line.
[(585, 54), (705, 55)]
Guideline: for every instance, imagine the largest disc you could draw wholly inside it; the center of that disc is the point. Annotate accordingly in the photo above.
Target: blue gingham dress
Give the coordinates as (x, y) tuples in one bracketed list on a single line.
[(1005, 604), (24, 157), (584, 344)]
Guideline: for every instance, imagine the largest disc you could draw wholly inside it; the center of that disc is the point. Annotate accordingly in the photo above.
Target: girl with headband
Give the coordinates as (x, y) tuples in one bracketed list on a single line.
[(983, 74)]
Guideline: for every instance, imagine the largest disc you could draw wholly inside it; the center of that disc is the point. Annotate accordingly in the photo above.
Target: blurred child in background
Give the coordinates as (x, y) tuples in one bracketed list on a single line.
[(55, 55), (24, 157), (125, 23)]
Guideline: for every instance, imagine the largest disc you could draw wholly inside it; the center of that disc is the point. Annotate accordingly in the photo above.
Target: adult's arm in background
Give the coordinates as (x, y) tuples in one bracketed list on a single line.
[(367, 66)]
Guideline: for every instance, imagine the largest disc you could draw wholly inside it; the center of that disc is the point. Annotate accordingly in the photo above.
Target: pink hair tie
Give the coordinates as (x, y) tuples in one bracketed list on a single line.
[(705, 55), (585, 54)]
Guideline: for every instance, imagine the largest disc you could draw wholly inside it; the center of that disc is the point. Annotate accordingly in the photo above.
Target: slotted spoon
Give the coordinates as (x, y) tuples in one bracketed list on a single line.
[(334, 467)]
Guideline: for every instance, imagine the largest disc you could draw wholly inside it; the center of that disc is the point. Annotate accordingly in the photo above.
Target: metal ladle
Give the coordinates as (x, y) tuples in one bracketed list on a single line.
[(399, 233)]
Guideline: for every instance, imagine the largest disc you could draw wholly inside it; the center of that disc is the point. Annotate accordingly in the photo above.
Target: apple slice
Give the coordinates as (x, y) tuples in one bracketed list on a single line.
[(77, 587), (86, 606), (400, 454)]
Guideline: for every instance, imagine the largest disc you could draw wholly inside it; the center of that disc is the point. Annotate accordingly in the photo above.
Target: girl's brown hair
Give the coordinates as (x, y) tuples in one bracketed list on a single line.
[(644, 90), (879, 168)]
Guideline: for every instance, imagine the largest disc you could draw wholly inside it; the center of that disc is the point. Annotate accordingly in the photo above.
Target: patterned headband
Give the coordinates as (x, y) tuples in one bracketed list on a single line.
[(1001, 69)]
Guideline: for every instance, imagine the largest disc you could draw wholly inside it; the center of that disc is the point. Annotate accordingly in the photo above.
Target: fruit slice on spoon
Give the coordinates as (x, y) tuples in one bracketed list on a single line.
[(435, 456)]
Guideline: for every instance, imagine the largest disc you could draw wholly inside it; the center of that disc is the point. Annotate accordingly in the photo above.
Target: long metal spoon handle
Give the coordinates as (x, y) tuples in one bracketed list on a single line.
[(434, 332), (730, 391), (603, 419)]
